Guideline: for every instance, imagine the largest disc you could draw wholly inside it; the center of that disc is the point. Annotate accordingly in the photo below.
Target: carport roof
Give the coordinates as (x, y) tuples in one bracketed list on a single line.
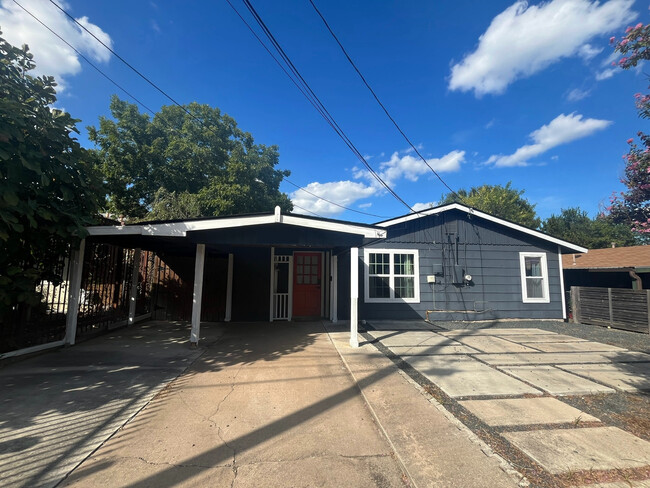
[(244, 224)]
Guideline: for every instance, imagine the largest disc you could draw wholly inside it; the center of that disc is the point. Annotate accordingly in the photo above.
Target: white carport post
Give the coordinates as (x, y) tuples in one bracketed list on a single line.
[(228, 314), (76, 266), (354, 296), (134, 284), (198, 293), (334, 283)]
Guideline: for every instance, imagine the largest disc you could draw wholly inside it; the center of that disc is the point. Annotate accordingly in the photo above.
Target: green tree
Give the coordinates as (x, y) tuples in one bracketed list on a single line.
[(501, 201), (574, 225), (47, 191), (184, 162)]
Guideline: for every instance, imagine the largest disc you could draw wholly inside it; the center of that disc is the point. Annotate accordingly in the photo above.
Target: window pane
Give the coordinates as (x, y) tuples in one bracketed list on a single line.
[(534, 287), (533, 266), (404, 287), (307, 259), (314, 270), (299, 279), (378, 287), (299, 269), (404, 264), (299, 258), (379, 263)]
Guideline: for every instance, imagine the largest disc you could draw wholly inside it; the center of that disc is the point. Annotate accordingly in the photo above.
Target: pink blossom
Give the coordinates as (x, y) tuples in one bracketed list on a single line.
[(624, 42), (638, 26), (630, 140), (612, 39), (628, 30)]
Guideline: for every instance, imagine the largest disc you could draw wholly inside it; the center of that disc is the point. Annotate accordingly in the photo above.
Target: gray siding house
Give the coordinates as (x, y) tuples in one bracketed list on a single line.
[(446, 263)]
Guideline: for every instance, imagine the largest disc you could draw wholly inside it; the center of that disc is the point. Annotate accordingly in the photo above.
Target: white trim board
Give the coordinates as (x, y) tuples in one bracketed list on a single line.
[(478, 213), (180, 229)]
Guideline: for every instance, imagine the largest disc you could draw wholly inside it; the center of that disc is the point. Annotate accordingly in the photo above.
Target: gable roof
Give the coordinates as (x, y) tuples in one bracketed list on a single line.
[(610, 258), (180, 228), (567, 246)]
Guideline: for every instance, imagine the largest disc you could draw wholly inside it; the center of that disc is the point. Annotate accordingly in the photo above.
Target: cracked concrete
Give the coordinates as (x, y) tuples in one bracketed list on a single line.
[(267, 405)]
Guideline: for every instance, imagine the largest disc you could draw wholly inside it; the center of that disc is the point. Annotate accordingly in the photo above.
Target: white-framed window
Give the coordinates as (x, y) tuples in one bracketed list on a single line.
[(534, 277), (392, 275)]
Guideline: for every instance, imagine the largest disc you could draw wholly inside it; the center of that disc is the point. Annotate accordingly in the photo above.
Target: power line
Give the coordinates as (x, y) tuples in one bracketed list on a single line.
[(333, 203), (85, 58), (172, 99), (313, 98), (305, 210), (379, 101)]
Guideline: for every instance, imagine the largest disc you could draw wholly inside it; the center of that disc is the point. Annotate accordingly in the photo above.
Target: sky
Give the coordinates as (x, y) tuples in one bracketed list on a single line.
[(488, 92)]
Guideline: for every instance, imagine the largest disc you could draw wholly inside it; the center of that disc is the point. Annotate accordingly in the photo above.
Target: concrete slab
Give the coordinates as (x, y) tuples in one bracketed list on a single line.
[(432, 350), (586, 346), (59, 407), (563, 358), (413, 338), (272, 403), (496, 332), (455, 459), (565, 450), (489, 344), (620, 484), (532, 339), (556, 381), (401, 325), (623, 376), (525, 411), (462, 376)]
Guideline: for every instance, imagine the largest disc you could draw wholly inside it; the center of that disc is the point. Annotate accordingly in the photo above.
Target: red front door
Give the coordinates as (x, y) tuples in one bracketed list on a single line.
[(306, 284)]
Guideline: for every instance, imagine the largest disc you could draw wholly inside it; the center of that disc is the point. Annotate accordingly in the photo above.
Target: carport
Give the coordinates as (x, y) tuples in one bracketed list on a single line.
[(269, 266)]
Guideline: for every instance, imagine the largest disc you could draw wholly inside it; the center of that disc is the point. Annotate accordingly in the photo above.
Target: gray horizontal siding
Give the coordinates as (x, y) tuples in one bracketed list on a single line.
[(487, 251)]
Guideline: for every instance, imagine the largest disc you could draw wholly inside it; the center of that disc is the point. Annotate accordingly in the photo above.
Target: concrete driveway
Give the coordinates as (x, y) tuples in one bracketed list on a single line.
[(282, 404), (512, 380)]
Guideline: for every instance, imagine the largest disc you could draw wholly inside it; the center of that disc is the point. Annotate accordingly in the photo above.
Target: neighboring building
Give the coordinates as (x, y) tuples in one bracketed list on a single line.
[(616, 267), (448, 263)]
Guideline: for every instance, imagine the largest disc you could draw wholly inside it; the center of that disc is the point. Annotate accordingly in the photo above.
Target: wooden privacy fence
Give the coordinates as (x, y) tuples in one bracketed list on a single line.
[(619, 308)]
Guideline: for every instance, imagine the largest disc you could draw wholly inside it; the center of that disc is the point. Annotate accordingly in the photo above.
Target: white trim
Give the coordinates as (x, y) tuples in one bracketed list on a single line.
[(326, 284), (180, 229), (228, 313), (272, 284), (133, 295), (29, 350), (354, 296), (199, 268), (559, 259), (290, 287), (334, 294), (522, 268), (478, 213), (391, 275), (77, 261)]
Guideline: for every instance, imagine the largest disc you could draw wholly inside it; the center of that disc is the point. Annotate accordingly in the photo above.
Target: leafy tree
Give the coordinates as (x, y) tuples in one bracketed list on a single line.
[(46, 186), (632, 206), (501, 201), (184, 162), (574, 225)]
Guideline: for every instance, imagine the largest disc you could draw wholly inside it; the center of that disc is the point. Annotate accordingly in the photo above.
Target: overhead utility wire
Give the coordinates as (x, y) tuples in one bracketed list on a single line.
[(334, 203), (379, 101), (123, 60), (304, 209), (85, 58), (313, 97), (149, 109)]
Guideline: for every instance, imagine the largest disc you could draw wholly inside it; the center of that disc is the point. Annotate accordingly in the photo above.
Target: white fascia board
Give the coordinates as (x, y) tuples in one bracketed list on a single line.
[(115, 230), (491, 218), (335, 226)]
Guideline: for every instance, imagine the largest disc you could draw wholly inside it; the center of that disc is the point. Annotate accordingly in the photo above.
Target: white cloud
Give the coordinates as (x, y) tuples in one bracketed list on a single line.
[(411, 168), (561, 130), (587, 51), (605, 74), (51, 55), (342, 192), (523, 40), (577, 94), (423, 206), (365, 205)]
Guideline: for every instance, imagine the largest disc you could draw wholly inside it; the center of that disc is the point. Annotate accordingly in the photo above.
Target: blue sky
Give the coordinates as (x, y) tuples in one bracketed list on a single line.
[(490, 92)]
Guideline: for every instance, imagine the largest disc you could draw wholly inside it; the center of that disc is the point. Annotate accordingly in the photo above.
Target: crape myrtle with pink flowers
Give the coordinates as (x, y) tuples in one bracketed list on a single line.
[(633, 205)]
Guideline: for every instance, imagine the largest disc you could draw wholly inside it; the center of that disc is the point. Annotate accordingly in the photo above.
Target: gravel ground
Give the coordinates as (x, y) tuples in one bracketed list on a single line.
[(634, 341)]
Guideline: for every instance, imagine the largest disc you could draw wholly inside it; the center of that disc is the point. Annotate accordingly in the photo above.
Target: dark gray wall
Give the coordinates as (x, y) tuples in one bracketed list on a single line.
[(487, 251)]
